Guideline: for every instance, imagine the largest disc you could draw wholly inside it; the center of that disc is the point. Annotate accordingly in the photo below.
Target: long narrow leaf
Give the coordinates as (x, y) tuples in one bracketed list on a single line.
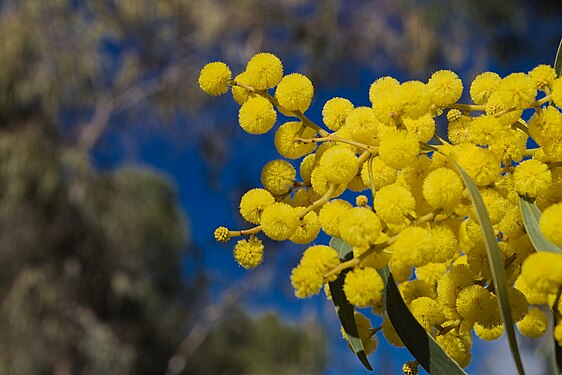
[(558, 60), (496, 265), (531, 216), (344, 309), (422, 345)]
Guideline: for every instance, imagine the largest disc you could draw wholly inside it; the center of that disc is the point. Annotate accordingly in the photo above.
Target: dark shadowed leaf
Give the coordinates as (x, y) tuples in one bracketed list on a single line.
[(558, 60)]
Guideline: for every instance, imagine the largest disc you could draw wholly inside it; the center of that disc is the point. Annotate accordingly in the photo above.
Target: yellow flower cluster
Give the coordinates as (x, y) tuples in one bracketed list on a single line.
[(421, 218)]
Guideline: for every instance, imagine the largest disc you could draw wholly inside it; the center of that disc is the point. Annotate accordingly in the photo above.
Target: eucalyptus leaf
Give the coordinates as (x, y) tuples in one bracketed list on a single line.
[(558, 60), (344, 309), (422, 345), (496, 265), (531, 216)]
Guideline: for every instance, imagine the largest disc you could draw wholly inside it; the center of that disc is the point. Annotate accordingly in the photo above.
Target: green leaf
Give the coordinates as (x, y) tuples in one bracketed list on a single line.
[(496, 265), (531, 216), (558, 60), (344, 309), (422, 345)]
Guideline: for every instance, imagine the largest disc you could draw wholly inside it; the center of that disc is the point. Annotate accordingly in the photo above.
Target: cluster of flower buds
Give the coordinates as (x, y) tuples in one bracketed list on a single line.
[(419, 218)]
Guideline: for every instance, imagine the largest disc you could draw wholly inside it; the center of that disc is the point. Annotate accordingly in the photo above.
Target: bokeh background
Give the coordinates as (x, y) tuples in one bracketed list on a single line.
[(115, 170)]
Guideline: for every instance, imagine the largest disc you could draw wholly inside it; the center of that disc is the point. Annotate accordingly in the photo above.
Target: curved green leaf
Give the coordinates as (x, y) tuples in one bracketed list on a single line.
[(531, 216), (558, 60), (496, 264), (344, 309), (422, 345)]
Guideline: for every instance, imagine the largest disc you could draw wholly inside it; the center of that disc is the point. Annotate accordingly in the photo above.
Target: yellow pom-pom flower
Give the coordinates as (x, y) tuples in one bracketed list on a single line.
[(365, 331), (214, 77), (546, 125), (253, 203), (457, 348), (257, 116), (427, 312), (450, 285), (399, 149), (381, 87), (445, 88), (431, 272), (342, 164), (294, 92), (482, 165), (423, 127), (331, 214), (517, 90), (507, 115), (410, 290), (307, 229), (413, 246), (442, 189), (335, 112), (306, 166), (362, 126), (551, 223), (484, 85), (541, 272), (477, 304), (249, 253), (543, 75), (445, 245), (363, 287), (287, 143), (557, 92), (486, 130), (240, 94), (306, 280), (394, 204), (222, 234), (414, 98), (382, 174), (321, 185), (277, 176), (531, 177), (488, 334), (534, 324), (279, 221), (264, 70), (360, 227)]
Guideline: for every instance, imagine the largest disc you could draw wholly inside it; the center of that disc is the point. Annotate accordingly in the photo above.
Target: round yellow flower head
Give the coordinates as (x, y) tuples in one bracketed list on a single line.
[(264, 71), (331, 214), (517, 90), (442, 189), (214, 77), (322, 257), (511, 147), (381, 87), (239, 93), (306, 166), (387, 104), (360, 227), (496, 205), (541, 272), (413, 246), (342, 164), (365, 331), (457, 348), (363, 287), (477, 304), (414, 98), (253, 203), (445, 88), (450, 285), (249, 253), (306, 280), (399, 149), (222, 234), (481, 164), (287, 143), (427, 312), (382, 174), (279, 221), (335, 112), (458, 129), (557, 92), (362, 125), (445, 245), (546, 125), (551, 223), (257, 116), (531, 177), (393, 203), (277, 176), (431, 272), (423, 127), (361, 201), (488, 334), (518, 303), (533, 297), (410, 290), (543, 75), (486, 130), (484, 85), (308, 228), (534, 324), (495, 105), (320, 183), (294, 92)]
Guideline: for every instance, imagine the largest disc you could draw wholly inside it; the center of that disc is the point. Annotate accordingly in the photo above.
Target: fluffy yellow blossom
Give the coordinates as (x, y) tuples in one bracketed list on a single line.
[(394, 203), (543, 76), (306, 166), (335, 112), (331, 214), (517, 90), (307, 229), (363, 287), (365, 331), (486, 130), (214, 77), (448, 288), (546, 125), (488, 334), (445, 245), (423, 127), (222, 234), (427, 312), (484, 85), (480, 164), (399, 149), (442, 188), (431, 272), (410, 290), (445, 88), (457, 348), (413, 246), (507, 116), (253, 203), (239, 93), (249, 253), (257, 116), (477, 304), (531, 177), (381, 87), (414, 98), (534, 324), (551, 223), (458, 130), (362, 126), (360, 227), (541, 272), (294, 92), (320, 183), (287, 143), (277, 176), (279, 221), (382, 174), (557, 92), (264, 71), (308, 277), (342, 164)]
